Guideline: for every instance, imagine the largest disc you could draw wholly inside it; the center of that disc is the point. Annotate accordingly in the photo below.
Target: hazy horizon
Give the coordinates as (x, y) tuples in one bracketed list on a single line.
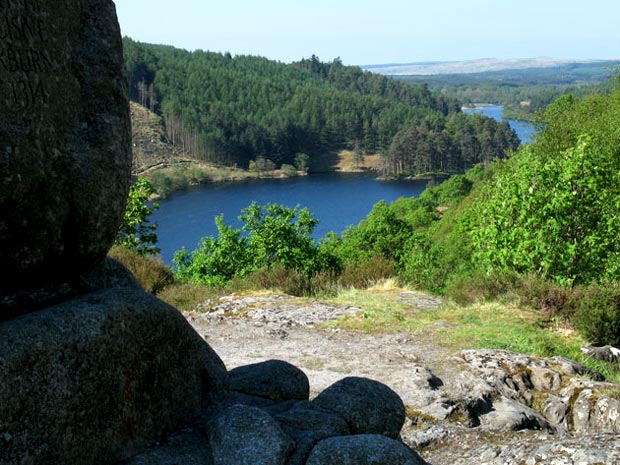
[(364, 32)]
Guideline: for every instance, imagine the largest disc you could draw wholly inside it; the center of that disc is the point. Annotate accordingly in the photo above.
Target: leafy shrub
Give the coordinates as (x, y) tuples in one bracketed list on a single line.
[(288, 170), (152, 275), (169, 180), (289, 281), (466, 289), (381, 233), (546, 216), (598, 315), (531, 290), (552, 209), (556, 301), (217, 260), (135, 232), (271, 235), (449, 192), (301, 161)]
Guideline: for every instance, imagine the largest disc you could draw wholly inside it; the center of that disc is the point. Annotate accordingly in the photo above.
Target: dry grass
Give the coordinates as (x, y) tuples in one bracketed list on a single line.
[(343, 161)]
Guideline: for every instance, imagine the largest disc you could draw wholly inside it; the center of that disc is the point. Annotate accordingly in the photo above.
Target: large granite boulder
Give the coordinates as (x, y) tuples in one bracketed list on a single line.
[(99, 378), (65, 139)]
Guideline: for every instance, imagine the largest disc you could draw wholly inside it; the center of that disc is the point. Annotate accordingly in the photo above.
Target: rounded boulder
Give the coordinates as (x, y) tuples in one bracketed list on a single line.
[(368, 406)]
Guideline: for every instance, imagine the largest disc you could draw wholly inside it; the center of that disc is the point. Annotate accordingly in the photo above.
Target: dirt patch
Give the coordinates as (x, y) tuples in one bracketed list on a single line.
[(245, 330)]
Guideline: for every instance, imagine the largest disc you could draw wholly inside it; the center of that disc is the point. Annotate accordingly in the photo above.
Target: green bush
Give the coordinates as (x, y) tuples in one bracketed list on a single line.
[(288, 170), (381, 233), (135, 232), (598, 314), (271, 235), (289, 281), (169, 180), (552, 208), (470, 288), (531, 290)]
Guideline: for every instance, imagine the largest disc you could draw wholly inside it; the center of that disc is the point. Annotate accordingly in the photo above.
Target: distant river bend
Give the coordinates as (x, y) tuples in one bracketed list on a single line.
[(524, 129)]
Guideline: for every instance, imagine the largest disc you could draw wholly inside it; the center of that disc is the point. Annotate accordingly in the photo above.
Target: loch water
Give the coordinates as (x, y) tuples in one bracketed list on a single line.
[(337, 200)]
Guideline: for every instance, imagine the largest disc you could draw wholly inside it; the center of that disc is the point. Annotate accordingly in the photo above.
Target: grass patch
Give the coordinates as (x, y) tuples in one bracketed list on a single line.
[(477, 326), (380, 310), (149, 271)]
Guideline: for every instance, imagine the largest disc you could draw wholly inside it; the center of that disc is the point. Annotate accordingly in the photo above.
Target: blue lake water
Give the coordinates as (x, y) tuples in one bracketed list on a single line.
[(337, 200)]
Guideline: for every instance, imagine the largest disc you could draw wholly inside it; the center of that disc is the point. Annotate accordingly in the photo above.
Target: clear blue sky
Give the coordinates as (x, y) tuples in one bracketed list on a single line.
[(380, 31)]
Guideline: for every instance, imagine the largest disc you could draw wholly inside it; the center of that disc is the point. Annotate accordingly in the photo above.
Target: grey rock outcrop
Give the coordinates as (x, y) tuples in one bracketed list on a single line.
[(606, 353), (559, 408), (99, 378), (591, 407), (565, 400), (65, 151), (466, 446)]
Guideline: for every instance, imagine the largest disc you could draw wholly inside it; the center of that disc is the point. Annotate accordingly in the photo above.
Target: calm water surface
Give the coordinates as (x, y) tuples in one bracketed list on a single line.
[(336, 200)]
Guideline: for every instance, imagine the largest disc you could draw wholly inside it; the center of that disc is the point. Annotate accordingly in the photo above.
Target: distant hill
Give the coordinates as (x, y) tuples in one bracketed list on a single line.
[(472, 66)]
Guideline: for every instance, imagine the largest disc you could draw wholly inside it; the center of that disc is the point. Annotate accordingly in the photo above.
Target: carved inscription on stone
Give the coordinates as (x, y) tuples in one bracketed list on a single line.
[(25, 61)]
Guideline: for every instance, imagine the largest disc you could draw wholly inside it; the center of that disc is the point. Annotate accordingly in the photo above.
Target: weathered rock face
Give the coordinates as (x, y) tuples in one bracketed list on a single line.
[(99, 378), (65, 151), (568, 403)]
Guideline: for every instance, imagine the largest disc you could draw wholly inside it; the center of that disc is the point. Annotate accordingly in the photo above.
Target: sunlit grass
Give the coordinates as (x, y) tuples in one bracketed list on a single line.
[(480, 326)]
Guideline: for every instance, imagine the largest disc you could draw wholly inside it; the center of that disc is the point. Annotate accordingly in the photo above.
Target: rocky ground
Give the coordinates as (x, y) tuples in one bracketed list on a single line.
[(484, 407)]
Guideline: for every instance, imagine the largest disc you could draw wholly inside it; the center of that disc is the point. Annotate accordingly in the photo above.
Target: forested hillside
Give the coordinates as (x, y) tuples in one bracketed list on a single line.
[(236, 110)]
